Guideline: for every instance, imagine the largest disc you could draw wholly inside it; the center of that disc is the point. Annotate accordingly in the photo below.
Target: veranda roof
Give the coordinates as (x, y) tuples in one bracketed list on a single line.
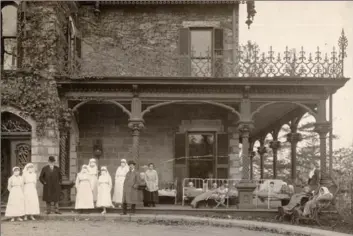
[(119, 2)]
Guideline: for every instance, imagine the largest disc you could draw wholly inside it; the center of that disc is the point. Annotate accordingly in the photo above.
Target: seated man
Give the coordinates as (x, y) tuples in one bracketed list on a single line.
[(297, 198), (323, 194)]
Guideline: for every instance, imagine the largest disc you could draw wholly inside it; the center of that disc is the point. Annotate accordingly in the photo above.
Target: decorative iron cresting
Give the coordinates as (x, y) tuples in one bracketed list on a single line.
[(250, 62)]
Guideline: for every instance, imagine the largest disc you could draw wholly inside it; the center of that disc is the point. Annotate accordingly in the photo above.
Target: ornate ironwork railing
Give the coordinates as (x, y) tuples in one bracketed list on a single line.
[(247, 61)]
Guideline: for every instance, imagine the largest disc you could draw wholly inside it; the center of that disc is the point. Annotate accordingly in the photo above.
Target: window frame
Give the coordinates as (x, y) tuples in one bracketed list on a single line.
[(15, 58), (185, 51)]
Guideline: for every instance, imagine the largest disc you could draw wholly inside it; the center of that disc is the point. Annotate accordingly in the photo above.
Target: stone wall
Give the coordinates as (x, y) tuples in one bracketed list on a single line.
[(144, 40), (108, 123)]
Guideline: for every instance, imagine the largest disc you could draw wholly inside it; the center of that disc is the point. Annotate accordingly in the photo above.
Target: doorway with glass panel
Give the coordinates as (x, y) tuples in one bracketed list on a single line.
[(201, 155)]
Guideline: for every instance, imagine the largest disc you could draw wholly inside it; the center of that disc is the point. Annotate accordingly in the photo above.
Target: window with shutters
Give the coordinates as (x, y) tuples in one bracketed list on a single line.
[(9, 37), (200, 50)]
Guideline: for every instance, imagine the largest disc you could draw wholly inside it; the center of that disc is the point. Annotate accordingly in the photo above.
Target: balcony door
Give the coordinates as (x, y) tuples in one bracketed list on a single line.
[(201, 52)]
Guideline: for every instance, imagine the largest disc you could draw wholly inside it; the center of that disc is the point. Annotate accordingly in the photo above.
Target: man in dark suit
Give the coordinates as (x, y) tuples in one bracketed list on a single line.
[(131, 194), (314, 177), (50, 177)]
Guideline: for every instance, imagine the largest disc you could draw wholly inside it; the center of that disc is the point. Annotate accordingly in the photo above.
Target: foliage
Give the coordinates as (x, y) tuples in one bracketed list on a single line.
[(37, 97), (308, 152), (32, 88)]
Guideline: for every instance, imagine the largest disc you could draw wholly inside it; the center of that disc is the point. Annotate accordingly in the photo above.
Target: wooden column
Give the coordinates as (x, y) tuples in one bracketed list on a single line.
[(275, 145), (252, 154), (136, 123), (294, 138), (136, 127), (244, 129), (234, 160), (251, 158), (261, 151), (322, 129)]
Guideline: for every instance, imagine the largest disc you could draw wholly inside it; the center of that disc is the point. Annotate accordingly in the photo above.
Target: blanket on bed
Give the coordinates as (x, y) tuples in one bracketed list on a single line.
[(262, 195), (211, 194), (295, 200), (167, 193), (191, 192)]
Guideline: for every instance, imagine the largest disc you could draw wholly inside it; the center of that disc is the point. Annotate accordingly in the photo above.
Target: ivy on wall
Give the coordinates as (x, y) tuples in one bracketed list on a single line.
[(37, 97), (42, 48)]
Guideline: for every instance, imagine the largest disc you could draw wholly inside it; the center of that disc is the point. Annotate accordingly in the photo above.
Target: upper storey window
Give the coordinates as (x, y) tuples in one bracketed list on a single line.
[(199, 51), (9, 37)]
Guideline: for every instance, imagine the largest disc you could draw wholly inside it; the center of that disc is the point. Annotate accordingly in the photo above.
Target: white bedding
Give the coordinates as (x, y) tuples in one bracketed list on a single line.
[(167, 193)]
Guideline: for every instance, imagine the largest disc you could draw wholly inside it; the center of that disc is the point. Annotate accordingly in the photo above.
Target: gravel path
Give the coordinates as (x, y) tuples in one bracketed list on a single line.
[(106, 228)]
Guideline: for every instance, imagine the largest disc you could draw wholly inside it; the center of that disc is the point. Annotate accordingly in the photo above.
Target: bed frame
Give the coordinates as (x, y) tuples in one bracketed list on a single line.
[(171, 185)]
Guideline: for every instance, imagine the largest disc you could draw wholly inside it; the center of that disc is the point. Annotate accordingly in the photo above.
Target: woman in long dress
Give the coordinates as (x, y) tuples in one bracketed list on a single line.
[(84, 195), (16, 203), (30, 192), (152, 185), (93, 173), (104, 199), (119, 182)]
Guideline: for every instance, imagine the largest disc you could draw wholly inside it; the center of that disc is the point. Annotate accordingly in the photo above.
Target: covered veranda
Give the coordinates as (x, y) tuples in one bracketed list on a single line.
[(255, 106)]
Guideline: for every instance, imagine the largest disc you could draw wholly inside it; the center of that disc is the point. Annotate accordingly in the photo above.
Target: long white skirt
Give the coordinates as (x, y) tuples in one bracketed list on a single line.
[(104, 198), (31, 199), (16, 203), (118, 190), (84, 196), (94, 183)]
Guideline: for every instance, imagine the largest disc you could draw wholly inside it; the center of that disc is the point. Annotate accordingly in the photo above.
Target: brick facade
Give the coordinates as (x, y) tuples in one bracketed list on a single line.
[(108, 123), (144, 40)]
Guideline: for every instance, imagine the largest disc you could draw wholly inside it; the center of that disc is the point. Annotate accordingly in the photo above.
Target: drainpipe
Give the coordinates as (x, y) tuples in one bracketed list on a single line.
[(235, 37)]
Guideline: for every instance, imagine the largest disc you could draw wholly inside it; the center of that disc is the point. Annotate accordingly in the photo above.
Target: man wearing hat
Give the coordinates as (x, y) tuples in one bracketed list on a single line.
[(50, 177), (131, 192)]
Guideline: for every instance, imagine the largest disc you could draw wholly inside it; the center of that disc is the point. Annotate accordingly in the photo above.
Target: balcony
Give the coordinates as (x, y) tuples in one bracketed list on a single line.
[(248, 62)]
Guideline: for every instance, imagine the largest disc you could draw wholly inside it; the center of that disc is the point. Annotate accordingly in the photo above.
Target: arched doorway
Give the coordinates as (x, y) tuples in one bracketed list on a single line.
[(15, 147)]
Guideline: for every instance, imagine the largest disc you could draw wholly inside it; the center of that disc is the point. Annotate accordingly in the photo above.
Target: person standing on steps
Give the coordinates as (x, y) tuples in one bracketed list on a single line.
[(93, 174), (152, 185), (84, 194), (104, 199), (30, 192), (15, 207), (131, 194), (119, 182), (50, 177)]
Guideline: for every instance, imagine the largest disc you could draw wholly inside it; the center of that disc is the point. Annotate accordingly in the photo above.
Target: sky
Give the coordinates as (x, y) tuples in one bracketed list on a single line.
[(308, 24)]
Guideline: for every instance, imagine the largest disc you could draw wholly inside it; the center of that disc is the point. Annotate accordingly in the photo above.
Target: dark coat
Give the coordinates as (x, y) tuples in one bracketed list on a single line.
[(131, 192), (315, 179), (51, 180)]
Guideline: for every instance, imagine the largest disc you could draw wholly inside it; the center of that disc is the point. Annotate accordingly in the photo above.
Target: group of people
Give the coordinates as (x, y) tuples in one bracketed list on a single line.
[(131, 187), (23, 198), (93, 189)]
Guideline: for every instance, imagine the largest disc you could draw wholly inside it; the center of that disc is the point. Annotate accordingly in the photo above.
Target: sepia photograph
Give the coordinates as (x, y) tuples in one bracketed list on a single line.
[(176, 117)]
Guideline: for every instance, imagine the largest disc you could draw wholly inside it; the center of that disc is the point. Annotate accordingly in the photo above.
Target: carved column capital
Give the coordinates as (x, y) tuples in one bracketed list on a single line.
[(252, 154), (275, 145), (322, 128), (261, 150), (245, 128), (136, 126), (294, 138)]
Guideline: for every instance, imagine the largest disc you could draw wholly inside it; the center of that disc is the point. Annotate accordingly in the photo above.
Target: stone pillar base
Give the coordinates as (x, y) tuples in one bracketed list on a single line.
[(327, 182), (65, 198), (246, 189)]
